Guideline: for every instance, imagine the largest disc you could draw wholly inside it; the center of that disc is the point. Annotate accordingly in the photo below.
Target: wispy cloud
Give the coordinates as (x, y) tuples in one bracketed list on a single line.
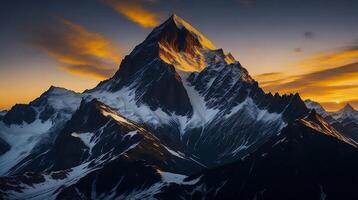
[(325, 60), (339, 84), (135, 11), (330, 77), (77, 50), (345, 75)]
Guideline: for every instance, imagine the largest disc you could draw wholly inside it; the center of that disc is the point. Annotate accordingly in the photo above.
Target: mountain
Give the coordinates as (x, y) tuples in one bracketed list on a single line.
[(155, 86), (318, 108), (345, 120), (30, 129), (346, 113), (179, 119), (297, 164), (93, 140)]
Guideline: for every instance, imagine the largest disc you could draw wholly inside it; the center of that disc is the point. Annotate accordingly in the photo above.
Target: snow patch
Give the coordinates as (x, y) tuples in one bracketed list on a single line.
[(180, 155), (86, 138), (168, 177), (22, 139), (131, 134)]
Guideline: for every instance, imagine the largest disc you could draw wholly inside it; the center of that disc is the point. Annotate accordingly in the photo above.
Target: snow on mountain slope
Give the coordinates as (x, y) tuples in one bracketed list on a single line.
[(34, 186), (318, 107), (55, 103), (151, 87), (22, 139), (94, 130), (124, 181), (346, 113), (28, 129), (95, 139), (344, 120), (303, 162)]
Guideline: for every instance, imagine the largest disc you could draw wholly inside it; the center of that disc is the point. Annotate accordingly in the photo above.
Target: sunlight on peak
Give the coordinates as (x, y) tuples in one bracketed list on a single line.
[(181, 60), (203, 40)]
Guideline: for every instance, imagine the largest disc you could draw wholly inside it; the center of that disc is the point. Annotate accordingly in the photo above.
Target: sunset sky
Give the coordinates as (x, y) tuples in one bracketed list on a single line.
[(305, 46)]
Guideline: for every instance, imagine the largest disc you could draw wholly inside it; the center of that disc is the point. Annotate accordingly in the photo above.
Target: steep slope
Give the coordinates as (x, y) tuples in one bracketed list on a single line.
[(318, 107), (30, 129), (95, 130), (95, 142), (179, 85), (53, 104), (306, 161), (344, 120), (346, 113)]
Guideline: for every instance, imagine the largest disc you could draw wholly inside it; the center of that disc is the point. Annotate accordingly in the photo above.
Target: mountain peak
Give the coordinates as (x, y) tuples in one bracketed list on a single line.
[(56, 89), (317, 106), (179, 44), (181, 24), (176, 31), (348, 108)]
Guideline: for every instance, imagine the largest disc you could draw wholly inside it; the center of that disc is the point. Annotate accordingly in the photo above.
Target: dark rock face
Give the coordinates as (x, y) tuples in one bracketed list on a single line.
[(42, 107), (223, 85), (161, 87), (2, 114), (20, 113), (107, 137), (227, 138), (155, 82), (344, 120), (301, 163), (231, 84), (4, 146), (350, 129), (120, 177)]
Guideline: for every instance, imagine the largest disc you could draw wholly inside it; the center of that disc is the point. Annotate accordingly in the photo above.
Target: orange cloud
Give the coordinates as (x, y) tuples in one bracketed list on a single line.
[(339, 84), (329, 59), (78, 50), (329, 77), (135, 12)]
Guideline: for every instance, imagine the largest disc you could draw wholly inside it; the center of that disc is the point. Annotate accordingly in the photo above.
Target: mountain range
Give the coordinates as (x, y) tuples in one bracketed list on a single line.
[(345, 120), (180, 119)]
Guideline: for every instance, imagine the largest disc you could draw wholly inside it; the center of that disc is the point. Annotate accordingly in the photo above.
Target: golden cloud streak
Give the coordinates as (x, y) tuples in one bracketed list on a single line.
[(328, 60), (135, 12), (339, 84), (330, 77), (78, 50)]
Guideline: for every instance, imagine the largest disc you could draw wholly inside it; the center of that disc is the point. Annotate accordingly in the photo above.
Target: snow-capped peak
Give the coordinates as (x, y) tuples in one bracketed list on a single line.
[(184, 47), (178, 43), (347, 108), (347, 112), (318, 107)]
